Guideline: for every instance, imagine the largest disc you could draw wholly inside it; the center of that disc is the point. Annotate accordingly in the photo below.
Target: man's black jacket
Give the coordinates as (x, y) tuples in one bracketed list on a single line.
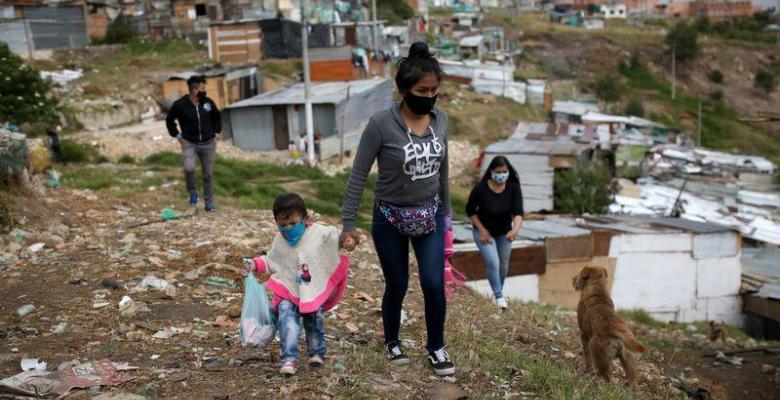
[(198, 125)]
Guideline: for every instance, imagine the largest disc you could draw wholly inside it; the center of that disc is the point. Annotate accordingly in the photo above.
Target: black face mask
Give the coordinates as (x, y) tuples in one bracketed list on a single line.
[(201, 95), (420, 105)]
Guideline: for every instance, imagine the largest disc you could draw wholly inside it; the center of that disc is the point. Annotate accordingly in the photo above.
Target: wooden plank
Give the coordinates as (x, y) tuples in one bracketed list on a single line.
[(555, 285), (524, 261), (561, 161), (569, 248), (336, 70), (764, 307), (602, 239)]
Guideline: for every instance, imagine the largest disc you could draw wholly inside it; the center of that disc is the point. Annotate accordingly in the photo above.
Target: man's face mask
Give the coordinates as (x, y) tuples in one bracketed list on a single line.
[(201, 94)]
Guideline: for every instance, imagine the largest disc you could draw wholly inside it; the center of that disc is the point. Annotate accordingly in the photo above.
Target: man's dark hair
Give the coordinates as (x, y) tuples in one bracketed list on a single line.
[(289, 204), (415, 66), (195, 79)]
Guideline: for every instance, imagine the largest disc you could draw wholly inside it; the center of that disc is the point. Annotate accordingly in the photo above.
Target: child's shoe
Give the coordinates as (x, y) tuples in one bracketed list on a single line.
[(316, 362), (288, 368)]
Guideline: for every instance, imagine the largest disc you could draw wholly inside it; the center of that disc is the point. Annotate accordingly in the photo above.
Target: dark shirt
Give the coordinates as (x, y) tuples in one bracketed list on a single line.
[(198, 124), (495, 210)]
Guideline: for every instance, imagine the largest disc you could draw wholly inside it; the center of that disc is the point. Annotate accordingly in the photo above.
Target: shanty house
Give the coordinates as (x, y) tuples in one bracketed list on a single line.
[(341, 110), (235, 41), (536, 150), (472, 47), (224, 84), (565, 111), (33, 25), (761, 292)]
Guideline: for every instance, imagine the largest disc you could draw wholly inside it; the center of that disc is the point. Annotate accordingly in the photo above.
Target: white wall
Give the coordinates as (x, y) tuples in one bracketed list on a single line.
[(519, 288), (682, 277)]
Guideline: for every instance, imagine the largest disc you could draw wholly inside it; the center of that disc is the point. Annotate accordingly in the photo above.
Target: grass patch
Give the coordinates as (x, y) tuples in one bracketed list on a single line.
[(126, 159), (642, 317), (90, 178)]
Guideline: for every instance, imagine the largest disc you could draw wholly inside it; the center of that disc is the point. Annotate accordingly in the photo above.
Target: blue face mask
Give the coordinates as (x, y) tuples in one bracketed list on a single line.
[(499, 177), (293, 234)]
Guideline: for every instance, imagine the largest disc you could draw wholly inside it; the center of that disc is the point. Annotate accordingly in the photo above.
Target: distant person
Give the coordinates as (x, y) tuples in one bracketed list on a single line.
[(495, 208), (409, 142), (54, 144), (199, 129)]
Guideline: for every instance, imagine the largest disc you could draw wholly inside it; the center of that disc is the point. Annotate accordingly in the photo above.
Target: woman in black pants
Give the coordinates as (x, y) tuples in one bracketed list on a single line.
[(409, 142)]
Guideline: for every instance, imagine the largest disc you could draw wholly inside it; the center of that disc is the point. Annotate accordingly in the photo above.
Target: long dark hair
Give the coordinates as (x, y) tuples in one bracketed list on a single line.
[(500, 161), (415, 66)]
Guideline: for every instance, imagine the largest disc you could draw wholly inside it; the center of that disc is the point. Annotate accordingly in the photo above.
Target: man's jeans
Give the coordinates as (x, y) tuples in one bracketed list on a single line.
[(496, 254), (206, 153), (290, 329)]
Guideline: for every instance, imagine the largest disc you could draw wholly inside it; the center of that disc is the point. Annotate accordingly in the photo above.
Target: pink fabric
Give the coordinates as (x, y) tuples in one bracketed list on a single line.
[(453, 278), (337, 284), (260, 266)]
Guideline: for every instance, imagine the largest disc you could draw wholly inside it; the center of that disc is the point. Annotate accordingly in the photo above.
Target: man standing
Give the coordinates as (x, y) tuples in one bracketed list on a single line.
[(200, 127)]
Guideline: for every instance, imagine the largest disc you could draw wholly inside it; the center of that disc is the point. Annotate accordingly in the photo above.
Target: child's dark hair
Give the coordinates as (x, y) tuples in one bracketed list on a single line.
[(195, 79), (289, 204), (415, 66)]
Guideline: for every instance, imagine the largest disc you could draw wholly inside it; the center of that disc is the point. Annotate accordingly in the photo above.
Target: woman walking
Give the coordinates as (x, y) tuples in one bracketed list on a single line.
[(409, 142), (495, 208)]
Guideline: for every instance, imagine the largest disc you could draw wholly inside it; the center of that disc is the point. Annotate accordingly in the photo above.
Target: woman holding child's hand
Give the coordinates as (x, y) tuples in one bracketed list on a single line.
[(409, 142)]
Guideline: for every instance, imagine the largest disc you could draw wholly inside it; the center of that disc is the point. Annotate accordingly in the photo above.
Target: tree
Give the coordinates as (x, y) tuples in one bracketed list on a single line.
[(584, 189), (765, 80), (25, 95), (607, 88), (682, 39), (635, 108), (119, 32), (394, 11)]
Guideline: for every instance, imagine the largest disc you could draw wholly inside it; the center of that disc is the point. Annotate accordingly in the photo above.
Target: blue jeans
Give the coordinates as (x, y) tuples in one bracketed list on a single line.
[(392, 248), (496, 255), (290, 330)]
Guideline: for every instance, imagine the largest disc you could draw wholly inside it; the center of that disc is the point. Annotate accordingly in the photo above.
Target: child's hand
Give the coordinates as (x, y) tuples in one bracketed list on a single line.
[(249, 264)]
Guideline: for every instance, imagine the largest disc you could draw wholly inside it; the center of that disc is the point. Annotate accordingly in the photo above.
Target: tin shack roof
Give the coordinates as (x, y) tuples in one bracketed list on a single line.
[(321, 93)]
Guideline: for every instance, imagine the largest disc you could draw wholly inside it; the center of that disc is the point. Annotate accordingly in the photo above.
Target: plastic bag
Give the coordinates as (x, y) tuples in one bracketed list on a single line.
[(258, 326)]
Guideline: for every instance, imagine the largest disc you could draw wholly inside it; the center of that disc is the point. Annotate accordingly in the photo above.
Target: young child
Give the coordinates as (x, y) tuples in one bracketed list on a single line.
[(308, 277)]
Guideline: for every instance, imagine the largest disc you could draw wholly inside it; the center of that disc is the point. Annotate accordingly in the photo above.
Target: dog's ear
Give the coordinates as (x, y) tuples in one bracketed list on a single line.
[(584, 273)]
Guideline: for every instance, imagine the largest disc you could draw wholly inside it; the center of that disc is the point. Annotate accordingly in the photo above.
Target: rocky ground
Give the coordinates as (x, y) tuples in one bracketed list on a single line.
[(74, 258)]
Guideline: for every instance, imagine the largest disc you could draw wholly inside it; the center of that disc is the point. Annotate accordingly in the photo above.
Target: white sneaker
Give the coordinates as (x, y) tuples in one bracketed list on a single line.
[(501, 303), (316, 362)]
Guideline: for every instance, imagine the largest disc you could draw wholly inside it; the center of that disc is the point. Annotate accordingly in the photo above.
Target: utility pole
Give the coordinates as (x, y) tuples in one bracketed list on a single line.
[(306, 84), (698, 129), (674, 70), (374, 33)]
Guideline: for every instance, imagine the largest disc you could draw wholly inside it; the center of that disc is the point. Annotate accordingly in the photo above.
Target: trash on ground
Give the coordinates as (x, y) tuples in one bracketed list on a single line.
[(218, 281), (43, 383)]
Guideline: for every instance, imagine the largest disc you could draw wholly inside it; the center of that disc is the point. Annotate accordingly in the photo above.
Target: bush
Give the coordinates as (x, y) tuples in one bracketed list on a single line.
[(716, 76), (583, 189), (75, 152), (394, 11), (682, 39), (765, 80), (119, 32), (716, 95), (25, 95), (635, 108), (126, 159), (607, 88)]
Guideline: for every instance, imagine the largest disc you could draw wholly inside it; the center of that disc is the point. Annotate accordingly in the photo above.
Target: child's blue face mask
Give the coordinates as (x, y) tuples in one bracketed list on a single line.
[(293, 234)]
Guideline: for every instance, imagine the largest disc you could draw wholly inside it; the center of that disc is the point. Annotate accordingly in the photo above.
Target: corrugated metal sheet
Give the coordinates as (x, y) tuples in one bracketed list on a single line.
[(321, 93), (331, 53), (12, 33), (762, 263), (57, 27), (471, 41), (252, 129)]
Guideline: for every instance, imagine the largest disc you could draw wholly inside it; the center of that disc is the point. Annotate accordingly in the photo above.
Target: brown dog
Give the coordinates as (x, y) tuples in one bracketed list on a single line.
[(604, 335)]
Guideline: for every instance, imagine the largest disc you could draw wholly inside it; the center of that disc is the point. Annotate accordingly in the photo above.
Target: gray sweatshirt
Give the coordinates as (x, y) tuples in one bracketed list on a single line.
[(412, 168)]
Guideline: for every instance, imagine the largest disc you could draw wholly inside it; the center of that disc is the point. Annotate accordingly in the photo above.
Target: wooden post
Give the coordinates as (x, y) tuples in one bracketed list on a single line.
[(343, 127), (27, 37)]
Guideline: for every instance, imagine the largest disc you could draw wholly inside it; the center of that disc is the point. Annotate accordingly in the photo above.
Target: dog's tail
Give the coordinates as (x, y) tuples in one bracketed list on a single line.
[(629, 340)]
